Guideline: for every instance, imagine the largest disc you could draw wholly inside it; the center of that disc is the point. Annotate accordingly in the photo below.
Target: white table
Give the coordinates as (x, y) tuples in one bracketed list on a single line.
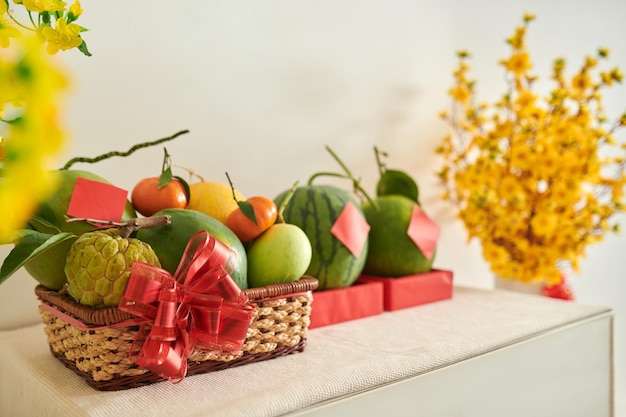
[(483, 353)]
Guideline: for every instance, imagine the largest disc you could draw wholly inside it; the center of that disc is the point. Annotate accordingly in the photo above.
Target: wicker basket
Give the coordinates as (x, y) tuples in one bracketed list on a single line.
[(279, 327)]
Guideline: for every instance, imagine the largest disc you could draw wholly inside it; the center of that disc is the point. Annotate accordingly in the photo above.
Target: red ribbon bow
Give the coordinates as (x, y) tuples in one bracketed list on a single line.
[(200, 308)]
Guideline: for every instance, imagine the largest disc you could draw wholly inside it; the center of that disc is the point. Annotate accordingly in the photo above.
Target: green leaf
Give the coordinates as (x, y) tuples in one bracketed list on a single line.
[(83, 48), (397, 182), (248, 210), (43, 226), (165, 178), (45, 17), (45, 219), (166, 170), (185, 186), (31, 245)]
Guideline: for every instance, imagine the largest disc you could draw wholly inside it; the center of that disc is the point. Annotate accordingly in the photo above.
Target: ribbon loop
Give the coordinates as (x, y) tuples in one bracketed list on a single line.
[(200, 307)]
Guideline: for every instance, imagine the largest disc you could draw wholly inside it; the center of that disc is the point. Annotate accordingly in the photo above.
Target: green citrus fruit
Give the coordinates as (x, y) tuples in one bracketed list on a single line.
[(392, 253), (169, 242), (98, 266)]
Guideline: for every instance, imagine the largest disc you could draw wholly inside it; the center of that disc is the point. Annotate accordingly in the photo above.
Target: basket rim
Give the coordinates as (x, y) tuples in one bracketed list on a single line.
[(112, 315)]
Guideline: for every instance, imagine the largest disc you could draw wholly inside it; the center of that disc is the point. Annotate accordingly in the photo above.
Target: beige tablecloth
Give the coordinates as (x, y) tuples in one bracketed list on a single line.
[(339, 360)]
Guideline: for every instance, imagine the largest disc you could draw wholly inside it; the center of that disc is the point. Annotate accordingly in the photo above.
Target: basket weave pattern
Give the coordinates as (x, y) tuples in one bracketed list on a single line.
[(279, 326)]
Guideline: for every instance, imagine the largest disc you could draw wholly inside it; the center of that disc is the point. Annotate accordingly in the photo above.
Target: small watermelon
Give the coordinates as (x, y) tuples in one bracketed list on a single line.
[(315, 208)]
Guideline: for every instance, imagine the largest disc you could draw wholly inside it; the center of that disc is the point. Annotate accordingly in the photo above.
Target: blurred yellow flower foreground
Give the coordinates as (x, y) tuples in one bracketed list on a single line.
[(535, 179), (31, 90)]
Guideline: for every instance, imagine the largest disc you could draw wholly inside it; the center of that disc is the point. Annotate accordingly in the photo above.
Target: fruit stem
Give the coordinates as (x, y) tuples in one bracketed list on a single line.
[(246, 207), (292, 190), (130, 226), (190, 171), (356, 183), (166, 170), (111, 154), (232, 187), (379, 162), (325, 174)]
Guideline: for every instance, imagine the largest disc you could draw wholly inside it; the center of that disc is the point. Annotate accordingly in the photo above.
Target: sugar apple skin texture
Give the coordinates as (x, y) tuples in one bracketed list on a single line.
[(98, 266)]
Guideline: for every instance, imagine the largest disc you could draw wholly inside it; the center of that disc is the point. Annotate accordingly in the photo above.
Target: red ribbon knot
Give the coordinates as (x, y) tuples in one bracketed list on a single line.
[(199, 308)]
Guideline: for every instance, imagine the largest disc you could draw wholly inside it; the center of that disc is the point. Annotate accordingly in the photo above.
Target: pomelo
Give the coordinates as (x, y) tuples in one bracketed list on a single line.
[(392, 253), (169, 242), (214, 199)]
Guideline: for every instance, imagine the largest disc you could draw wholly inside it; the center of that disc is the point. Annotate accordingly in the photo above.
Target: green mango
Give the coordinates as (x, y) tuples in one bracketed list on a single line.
[(48, 266), (169, 242)]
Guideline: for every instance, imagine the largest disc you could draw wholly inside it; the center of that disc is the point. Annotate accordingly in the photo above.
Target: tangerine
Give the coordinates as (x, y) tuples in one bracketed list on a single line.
[(148, 198), (265, 213)]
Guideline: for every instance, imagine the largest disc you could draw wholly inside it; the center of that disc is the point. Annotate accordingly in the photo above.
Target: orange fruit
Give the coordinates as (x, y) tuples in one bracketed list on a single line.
[(265, 213), (214, 199), (148, 198)]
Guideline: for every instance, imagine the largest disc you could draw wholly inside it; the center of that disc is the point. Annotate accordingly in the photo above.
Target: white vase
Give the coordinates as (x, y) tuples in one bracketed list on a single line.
[(535, 288)]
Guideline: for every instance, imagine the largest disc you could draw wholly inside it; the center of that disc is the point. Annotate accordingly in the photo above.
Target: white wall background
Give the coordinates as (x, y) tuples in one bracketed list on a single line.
[(263, 86)]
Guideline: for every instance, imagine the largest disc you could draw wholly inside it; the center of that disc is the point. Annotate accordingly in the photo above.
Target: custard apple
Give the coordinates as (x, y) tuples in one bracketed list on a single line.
[(98, 266)]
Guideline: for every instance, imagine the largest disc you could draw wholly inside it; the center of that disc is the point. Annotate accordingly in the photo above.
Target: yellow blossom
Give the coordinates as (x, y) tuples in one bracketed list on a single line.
[(76, 10), (7, 29), (525, 102), (460, 93), (44, 5), (63, 37), (517, 40), (518, 63), (581, 82), (544, 223), (617, 75)]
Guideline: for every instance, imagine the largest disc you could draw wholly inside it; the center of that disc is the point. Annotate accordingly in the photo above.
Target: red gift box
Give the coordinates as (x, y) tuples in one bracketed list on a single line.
[(413, 290), (363, 299)]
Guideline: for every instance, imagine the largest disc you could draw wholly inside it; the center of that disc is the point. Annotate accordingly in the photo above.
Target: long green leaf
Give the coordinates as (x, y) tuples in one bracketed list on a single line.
[(31, 245), (45, 219)]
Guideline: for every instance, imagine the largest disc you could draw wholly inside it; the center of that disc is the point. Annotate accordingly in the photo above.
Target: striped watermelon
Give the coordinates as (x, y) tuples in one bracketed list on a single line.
[(315, 208)]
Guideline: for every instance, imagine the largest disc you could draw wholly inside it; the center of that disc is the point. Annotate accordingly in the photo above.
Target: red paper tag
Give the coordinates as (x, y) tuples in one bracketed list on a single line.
[(351, 229), (423, 231), (97, 200)]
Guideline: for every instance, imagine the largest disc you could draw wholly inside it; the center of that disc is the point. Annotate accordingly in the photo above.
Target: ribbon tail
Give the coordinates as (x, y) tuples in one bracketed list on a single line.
[(168, 359)]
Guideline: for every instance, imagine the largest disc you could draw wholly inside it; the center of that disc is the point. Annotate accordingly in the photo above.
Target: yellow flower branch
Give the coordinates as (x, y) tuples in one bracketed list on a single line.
[(31, 93), (535, 179)]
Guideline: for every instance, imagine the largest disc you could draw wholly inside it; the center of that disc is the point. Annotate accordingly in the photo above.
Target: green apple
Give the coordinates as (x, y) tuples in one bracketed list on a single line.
[(281, 254)]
